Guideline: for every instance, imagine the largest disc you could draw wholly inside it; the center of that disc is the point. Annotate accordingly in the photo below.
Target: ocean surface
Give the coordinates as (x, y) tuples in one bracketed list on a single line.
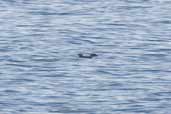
[(41, 73)]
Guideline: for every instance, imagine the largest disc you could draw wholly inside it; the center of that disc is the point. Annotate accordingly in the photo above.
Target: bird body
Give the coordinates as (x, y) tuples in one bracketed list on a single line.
[(89, 56)]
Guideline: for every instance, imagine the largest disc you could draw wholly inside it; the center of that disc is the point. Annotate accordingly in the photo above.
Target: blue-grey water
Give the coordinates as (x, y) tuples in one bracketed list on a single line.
[(41, 73)]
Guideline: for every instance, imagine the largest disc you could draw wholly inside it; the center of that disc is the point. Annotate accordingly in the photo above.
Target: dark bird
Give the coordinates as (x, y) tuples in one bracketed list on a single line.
[(89, 56)]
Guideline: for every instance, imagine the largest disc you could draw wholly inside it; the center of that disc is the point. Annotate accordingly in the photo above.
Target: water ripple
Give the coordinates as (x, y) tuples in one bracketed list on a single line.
[(41, 72)]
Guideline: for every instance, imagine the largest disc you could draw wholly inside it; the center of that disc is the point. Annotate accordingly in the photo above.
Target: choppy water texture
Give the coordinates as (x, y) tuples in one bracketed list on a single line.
[(41, 73)]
